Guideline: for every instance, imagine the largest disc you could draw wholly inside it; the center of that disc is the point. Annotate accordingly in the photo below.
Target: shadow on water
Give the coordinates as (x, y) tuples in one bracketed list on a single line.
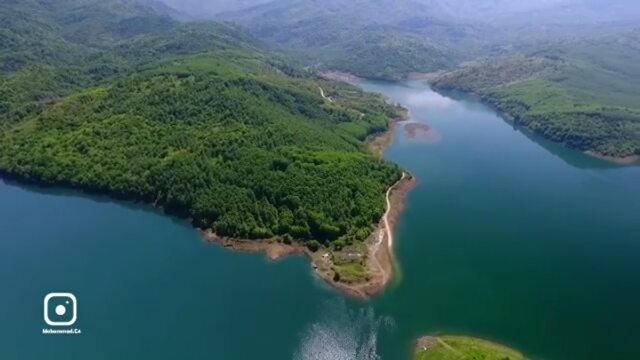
[(60, 191), (573, 157)]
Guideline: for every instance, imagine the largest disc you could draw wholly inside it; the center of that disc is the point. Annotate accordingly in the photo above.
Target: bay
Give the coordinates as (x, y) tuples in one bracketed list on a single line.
[(506, 236)]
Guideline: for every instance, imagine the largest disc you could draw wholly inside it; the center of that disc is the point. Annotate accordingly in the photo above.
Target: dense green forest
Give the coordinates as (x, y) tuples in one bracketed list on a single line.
[(564, 69), (50, 48), (583, 94), (123, 97), (389, 39), (197, 118), (373, 39)]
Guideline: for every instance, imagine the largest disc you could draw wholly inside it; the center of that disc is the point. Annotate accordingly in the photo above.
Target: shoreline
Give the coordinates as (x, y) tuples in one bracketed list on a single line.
[(377, 262), (377, 143), (624, 160), (380, 262), (380, 259), (619, 160)]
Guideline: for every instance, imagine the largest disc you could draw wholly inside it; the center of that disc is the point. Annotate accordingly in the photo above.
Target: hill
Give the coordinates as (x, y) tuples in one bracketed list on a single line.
[(582, 94), (381, 39), (196, 118), (46, 51), (389, 39)]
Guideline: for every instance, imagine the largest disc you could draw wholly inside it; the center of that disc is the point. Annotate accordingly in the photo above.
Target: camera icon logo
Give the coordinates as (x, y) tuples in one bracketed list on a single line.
[(60, 309)]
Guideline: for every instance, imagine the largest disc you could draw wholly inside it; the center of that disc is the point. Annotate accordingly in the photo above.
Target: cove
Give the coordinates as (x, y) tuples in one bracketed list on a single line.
[(506, 237)]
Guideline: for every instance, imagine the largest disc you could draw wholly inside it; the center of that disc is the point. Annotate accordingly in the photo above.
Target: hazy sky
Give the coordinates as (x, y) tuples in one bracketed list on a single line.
[(480, 9), (198, 7)]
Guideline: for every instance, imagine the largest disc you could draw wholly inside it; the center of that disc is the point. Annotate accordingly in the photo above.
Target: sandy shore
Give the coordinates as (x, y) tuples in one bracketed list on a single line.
[(380, 244), (380, 261)]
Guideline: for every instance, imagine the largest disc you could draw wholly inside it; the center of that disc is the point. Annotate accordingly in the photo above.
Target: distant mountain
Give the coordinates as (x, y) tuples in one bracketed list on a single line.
[(172, 11), (204, 9), (537, 11), (383, 39), (388, 39), (513, 12), (574, 12)]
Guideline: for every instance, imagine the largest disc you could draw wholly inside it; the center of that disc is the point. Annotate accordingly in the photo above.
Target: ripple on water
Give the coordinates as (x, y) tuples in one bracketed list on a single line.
[(343, 334)]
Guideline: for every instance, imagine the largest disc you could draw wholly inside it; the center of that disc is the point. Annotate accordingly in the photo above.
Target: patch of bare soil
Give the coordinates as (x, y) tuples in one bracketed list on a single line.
[(272, 248), (426, 342)]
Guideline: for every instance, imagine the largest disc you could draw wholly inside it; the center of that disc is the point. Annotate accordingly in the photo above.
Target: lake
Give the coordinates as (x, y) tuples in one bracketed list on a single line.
[(506, 236)]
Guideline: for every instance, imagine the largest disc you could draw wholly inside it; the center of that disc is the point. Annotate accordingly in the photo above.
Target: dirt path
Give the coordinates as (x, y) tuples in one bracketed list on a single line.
[(387, 231), (444, 343), (324, 97), (386, 214), (380, 259)]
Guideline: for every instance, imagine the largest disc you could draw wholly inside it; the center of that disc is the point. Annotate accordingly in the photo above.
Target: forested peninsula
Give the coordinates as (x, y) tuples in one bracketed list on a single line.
[(199, 119)]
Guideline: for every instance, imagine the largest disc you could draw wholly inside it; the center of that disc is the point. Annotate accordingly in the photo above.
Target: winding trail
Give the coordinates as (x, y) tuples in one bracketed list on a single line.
[(386, 214), (387, 231), (323, 96)]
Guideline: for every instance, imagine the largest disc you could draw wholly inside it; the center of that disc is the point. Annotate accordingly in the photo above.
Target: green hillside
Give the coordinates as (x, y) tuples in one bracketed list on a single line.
[(46, 52), (379, 40), (582, 94), (196, 118)]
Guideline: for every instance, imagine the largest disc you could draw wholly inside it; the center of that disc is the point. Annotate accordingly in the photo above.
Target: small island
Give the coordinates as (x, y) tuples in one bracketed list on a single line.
[(450, 347)]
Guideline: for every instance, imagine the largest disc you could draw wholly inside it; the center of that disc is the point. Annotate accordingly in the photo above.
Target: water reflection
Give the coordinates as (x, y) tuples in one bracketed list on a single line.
[(343, 334), (572, 157)]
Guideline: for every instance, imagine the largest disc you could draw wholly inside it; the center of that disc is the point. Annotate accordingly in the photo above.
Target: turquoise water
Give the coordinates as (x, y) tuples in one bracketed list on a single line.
[(506, 237)]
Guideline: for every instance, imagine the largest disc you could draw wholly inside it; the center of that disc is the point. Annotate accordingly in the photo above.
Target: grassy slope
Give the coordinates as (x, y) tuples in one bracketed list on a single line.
[(582, 94), (466, 348), (200, 120)]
